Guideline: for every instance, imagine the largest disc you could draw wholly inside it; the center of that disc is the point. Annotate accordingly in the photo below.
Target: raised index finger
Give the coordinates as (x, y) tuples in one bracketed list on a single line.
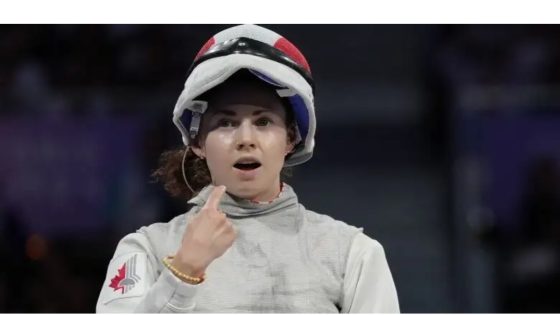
[(215, 196)]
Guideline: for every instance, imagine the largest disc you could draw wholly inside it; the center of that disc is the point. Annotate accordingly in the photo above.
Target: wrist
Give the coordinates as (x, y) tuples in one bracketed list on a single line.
[(181, 275), (188, 267)]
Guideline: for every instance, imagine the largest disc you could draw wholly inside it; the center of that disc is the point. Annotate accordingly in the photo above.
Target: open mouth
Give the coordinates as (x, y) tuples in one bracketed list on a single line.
[(247, 166)]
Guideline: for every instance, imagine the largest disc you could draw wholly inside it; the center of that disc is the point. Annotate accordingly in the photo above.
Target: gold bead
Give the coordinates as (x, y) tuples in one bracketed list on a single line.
[(184, 277)]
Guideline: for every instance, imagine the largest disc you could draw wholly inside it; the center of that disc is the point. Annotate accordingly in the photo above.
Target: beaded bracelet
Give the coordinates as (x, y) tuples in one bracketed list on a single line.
[(184, 277)]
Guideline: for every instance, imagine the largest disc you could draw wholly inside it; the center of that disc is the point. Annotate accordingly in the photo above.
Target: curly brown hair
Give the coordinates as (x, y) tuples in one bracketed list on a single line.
[(170, 171)]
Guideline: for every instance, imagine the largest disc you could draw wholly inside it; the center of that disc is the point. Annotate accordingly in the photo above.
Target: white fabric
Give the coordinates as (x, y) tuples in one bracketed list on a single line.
[(368, 284), (248, 30), (285, 259), (214, 71)]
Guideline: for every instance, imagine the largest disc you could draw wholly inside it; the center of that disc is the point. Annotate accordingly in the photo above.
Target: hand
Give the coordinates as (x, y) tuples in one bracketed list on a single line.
[(208, 235)]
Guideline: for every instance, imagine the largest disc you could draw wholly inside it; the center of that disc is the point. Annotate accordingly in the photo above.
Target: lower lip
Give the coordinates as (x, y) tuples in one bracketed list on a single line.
[(247, 174)]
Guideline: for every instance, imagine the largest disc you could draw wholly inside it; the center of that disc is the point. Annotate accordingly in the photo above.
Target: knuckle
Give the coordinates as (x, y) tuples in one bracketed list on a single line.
[(229, 225), (217, 220), (215, 216)]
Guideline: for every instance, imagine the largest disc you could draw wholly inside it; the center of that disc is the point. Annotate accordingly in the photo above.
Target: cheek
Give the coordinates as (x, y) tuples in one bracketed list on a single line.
[(217, 143), (277, 146), (216, 148)]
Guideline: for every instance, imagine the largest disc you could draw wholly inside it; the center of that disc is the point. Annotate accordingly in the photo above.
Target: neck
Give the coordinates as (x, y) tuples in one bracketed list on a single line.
[(243, 207), (270, 196)]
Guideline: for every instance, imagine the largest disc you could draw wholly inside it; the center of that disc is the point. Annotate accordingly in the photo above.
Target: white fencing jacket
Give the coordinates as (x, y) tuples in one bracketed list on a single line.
[(285, 259)]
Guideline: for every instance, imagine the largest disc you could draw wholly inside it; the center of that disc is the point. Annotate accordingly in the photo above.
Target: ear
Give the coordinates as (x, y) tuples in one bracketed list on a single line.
[(289, 147), (198, 151)]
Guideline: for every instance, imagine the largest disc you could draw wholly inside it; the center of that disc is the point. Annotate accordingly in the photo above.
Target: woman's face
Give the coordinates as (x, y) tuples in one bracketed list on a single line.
[(244, 140)]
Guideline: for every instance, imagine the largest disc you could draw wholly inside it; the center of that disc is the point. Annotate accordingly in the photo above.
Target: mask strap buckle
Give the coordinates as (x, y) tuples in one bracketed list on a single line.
[(198, 108)]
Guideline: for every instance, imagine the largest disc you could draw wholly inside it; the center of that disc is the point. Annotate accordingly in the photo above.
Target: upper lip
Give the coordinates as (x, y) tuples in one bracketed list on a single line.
[(247, 160)]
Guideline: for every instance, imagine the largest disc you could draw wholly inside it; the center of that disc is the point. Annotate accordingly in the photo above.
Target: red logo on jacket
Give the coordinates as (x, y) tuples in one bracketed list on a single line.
[(126, 277)]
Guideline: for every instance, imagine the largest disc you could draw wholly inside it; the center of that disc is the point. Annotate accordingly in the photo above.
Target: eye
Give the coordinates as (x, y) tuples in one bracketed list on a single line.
[(263, 121), (225, 123)]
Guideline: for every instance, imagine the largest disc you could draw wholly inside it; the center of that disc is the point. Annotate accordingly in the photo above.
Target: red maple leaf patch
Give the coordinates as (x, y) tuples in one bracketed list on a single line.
[(118, 278)]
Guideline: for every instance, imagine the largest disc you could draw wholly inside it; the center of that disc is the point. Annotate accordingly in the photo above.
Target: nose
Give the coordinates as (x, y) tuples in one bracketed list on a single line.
[(246, 138)]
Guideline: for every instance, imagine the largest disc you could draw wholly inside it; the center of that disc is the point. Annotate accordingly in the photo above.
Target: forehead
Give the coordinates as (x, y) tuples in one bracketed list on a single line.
[(249, 91)]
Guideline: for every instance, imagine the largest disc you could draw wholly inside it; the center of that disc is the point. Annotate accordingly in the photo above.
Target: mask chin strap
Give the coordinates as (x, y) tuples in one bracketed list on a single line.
[(197, 108)]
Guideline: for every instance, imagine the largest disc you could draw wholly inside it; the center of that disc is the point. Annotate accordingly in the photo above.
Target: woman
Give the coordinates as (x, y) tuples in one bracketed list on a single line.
[(247, 244)]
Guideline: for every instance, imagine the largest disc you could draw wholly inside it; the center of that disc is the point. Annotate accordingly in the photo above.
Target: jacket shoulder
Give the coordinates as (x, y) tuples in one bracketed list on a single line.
[(326, 221)]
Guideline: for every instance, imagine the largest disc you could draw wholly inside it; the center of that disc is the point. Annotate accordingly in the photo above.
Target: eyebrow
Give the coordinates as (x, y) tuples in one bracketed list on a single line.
[(228, 112)]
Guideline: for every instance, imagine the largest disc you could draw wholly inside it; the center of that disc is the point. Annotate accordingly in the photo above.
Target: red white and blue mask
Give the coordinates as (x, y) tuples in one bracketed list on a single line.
[(267, 55)]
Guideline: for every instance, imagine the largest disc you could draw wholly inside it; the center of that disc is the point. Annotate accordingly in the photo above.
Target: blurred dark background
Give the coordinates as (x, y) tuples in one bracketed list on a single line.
[(443, 142)]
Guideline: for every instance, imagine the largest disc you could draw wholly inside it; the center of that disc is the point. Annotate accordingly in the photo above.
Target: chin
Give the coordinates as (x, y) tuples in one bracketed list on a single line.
[(245, 192)]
